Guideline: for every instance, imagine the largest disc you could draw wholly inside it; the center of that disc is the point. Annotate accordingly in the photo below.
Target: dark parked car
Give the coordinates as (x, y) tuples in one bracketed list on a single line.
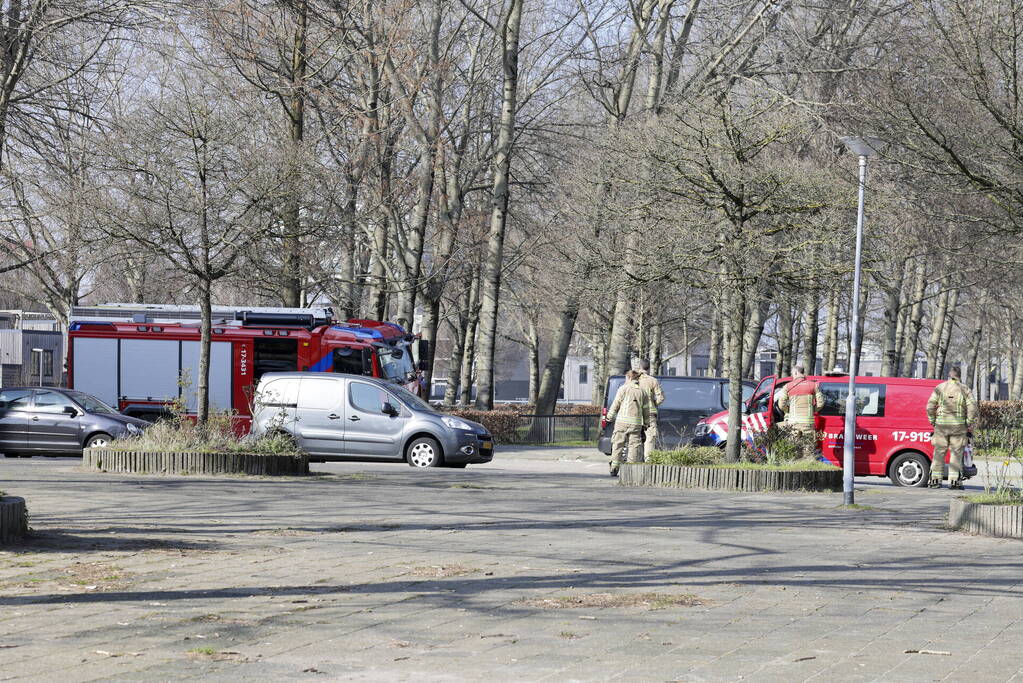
[(48, 421), (686, 401)]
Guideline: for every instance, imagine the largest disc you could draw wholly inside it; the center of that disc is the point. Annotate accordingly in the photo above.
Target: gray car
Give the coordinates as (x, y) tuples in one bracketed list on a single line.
[(351, 417), (50, 421)]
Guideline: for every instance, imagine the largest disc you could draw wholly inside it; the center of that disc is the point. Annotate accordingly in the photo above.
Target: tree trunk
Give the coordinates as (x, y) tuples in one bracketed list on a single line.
[(831, 333), (550, 381), (736, 323), (864, 306), (783, 368), (811, 330), (618, 360), (937, 330), (469, 352), (889, 352), (491, 286), (751, 340), (205, 339), (915, 321), (533, 344), (714, 346), (946, 333), (655, 354), (293, 294), (459, 328)]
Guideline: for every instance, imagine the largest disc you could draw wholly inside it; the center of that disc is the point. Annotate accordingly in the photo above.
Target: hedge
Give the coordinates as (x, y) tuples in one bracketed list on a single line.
[(504, 420)]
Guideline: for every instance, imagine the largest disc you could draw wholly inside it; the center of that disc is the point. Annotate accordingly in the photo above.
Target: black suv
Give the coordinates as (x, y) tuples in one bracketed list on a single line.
[(49, 421), (686, 401)]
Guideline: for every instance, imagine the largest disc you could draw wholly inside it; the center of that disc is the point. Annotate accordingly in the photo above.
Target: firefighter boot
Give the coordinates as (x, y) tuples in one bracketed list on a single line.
[(957, 484), (934, 483)]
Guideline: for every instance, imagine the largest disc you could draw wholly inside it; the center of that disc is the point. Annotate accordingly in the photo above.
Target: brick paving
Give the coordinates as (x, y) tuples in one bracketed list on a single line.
[(377, 572)]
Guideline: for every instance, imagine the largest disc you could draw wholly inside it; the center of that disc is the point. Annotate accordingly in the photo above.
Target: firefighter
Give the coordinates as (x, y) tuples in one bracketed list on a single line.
[(654, 391), (801, 399), (630, 413), (951, 411)]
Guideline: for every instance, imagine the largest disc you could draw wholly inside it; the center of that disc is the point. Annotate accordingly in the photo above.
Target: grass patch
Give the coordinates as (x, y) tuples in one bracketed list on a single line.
[(996, 498), (709, 456), (648, 601)]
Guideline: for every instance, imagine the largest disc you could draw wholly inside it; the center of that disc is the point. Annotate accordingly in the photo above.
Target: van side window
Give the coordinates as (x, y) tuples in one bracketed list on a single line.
[(869, 399), (319, 394), (368, 398)]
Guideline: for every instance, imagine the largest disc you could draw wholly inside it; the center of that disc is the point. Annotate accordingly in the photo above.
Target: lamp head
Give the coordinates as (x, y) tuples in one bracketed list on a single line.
[(863, 146)]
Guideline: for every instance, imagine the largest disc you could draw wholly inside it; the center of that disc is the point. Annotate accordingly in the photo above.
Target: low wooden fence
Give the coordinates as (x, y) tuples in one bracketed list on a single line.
[(728, 479), (146, 462)]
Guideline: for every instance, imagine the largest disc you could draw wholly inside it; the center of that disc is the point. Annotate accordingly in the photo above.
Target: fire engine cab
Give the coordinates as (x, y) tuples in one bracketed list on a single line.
[(141, 357), (892, 439)]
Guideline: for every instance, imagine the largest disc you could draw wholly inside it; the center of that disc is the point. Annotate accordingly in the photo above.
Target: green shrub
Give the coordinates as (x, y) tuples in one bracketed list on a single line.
[(688, 455), (181, 434)]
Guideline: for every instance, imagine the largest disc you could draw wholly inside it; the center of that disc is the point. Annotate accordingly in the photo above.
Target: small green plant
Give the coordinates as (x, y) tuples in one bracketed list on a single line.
[(203, 650), (692, 456)]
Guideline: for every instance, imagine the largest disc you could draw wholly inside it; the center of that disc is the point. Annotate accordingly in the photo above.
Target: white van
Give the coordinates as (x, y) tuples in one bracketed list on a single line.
[(351, 417)]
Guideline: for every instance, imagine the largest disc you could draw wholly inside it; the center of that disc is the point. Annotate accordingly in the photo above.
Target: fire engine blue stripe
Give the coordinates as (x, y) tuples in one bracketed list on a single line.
[(325, 364)]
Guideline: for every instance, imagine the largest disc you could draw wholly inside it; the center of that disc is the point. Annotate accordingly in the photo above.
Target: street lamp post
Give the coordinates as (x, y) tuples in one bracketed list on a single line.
[(862, 147)]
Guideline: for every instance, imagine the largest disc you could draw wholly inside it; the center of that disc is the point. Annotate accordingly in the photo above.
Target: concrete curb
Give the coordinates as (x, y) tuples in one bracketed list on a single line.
[(13, 519), (143, 462), (1003, 521), (717, 478)]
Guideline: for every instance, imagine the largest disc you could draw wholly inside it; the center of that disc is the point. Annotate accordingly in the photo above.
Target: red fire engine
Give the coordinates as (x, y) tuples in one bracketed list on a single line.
[(140, 357)]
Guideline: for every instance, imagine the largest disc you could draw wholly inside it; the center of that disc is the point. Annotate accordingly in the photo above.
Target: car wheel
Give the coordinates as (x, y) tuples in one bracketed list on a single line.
[(424, 452), (98, 441), (909, 469)]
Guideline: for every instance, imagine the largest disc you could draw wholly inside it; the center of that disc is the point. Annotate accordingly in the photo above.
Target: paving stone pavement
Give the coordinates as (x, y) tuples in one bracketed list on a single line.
[(375, 572)]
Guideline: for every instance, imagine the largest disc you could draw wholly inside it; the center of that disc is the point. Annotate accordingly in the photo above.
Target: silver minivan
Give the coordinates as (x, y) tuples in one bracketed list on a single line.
[(351, 417)]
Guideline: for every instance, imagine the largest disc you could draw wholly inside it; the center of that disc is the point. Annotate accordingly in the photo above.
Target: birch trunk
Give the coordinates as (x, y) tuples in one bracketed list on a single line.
[(889, 352), (915, 321), (937, 330), (491, 286), (831, 333), (811, 330)]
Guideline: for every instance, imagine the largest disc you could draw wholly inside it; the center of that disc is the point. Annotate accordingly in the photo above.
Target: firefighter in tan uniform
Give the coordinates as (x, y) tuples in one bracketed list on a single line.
[(653, 389), (951, 411), (630, 413), (801, 399)]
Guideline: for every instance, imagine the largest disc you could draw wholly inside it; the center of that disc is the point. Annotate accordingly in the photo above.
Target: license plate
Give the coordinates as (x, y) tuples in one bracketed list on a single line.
[(486, 444)]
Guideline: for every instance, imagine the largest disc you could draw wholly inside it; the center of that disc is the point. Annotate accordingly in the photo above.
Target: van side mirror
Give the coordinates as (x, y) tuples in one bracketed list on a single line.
[(389, 409), (70, 410)]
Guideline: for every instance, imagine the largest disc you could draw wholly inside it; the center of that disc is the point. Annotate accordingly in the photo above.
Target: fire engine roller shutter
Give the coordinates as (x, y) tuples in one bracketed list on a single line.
[(95, 367), (149, 369), (220, 373)]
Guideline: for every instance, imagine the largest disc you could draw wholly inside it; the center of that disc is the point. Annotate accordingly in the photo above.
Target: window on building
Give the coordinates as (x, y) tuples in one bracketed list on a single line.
[(47, 364), (584, 374), (672, 372)]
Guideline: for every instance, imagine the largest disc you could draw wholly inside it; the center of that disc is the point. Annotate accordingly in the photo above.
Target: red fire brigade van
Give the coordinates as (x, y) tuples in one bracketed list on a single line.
[(139, 357), (893, 437)]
